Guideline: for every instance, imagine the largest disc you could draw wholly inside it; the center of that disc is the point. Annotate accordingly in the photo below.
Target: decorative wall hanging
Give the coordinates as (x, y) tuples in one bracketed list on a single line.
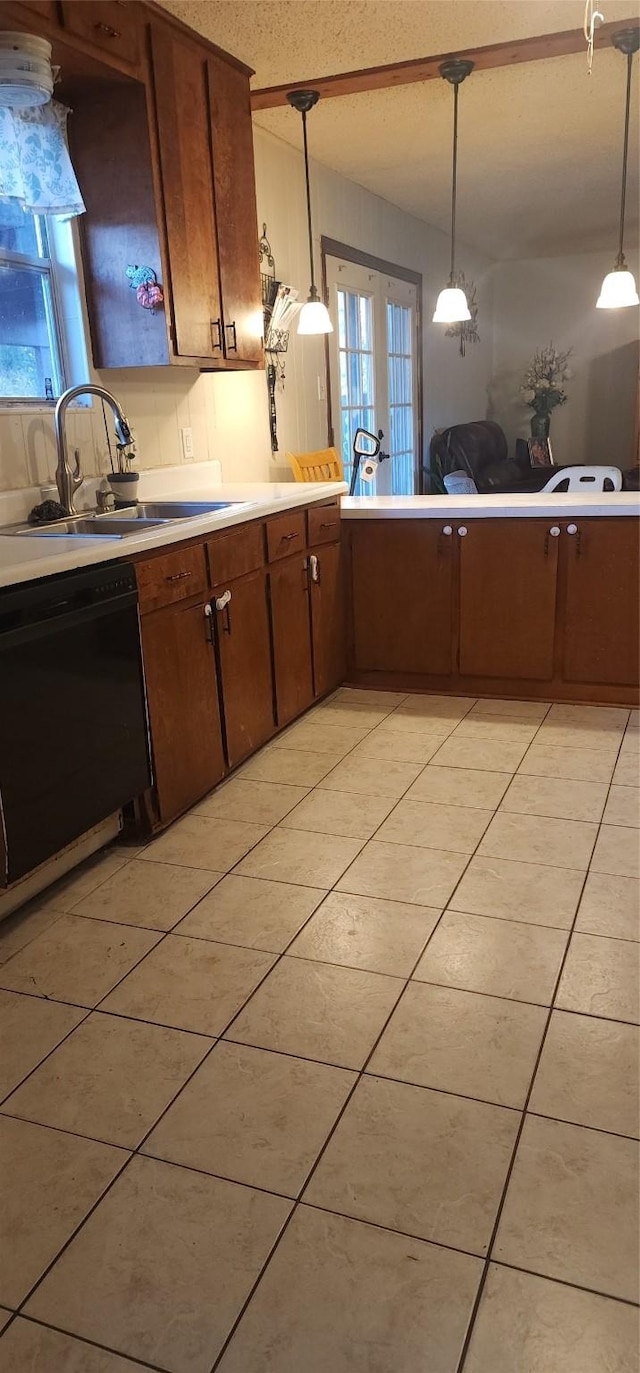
[(280, 306), (466, 330), (144, 282)]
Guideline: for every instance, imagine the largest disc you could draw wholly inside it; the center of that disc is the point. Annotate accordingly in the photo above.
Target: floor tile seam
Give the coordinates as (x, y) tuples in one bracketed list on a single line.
[(83, 1339), (254, 1286), (583, 1125), (514, 1153), (564, 1282), (474, 991), (542, 815), (153, 929), (43, 1060), (512, 919), (237, 819), (76, 1230)]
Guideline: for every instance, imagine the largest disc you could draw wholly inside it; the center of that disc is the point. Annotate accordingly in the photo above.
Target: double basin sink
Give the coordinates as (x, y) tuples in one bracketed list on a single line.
[(123, 523)]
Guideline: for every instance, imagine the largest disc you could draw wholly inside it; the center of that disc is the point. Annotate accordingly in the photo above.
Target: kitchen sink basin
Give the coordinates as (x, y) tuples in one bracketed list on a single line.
[(180, 510)]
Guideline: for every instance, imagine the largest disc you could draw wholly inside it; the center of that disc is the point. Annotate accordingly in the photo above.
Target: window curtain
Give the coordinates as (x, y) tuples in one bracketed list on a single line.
[(35, 167)]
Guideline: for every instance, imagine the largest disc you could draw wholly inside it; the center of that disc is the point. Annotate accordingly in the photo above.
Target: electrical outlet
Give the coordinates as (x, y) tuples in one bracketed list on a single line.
[(187, 443)]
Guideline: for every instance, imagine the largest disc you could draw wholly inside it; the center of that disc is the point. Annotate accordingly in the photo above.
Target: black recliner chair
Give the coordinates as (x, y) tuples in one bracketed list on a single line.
[(480, 450)]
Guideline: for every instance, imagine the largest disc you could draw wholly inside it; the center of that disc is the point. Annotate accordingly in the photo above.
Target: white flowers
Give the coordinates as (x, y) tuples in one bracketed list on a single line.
[(542, 387)]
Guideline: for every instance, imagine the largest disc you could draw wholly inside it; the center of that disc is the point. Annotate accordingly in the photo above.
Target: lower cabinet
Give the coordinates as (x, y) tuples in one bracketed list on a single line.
[(600, 628), (182, 699), (328, 630), (291, 628), (402, 596), (244, 660), (508, 583)]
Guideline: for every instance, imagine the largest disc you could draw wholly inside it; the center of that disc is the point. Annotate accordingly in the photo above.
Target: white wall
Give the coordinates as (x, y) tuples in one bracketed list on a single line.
[(228, 413), (546, 299)]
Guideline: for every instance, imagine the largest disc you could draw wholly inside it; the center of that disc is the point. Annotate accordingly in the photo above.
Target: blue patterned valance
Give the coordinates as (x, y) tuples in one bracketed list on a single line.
[(35, 167)]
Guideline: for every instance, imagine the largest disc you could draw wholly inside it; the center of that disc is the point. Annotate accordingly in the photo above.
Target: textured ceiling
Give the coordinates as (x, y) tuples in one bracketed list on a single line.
[(540, 143)]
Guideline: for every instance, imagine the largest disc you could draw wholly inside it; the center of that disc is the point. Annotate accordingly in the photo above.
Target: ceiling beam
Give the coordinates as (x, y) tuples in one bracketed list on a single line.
[(536, 49)]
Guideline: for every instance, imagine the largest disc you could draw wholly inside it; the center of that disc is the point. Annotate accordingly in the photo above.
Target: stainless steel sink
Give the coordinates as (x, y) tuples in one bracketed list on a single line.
[(181, 510)]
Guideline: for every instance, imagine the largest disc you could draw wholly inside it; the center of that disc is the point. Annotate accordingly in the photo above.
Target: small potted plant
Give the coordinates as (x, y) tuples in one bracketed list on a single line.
[(122, 479), (542, 387)]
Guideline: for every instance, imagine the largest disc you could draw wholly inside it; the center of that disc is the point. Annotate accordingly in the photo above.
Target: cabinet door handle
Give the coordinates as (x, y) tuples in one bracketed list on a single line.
[(231, 328), (463, 531), (448, 530), (554, 531), (216, 333), (572, 529), (222, 604), (107, 30), (208, 614), (178, 576), (314, 568)]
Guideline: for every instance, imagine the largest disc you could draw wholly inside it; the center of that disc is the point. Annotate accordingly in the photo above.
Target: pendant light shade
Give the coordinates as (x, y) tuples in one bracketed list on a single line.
[(618, 289), (452, 306), (314, 317)]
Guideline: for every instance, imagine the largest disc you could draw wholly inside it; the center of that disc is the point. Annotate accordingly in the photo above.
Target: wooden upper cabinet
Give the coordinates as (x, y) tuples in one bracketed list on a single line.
[(600, 614), (113, 26), (182, 110), (402, 596), (508, 579), (237, 219)]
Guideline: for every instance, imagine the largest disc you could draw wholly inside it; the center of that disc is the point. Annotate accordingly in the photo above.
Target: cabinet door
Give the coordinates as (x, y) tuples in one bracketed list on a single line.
[(601, 611), (244, 648), (182, 698), (235, 193), (327, 617), (508, 576), (402, 596), (291, 626), (181, 99)]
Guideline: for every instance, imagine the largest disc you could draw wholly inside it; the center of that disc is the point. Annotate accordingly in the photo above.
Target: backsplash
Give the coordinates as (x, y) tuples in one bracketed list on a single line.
[(226, 413)]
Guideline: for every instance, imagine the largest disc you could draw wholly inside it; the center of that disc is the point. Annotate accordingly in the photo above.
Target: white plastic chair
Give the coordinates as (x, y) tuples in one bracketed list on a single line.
[(586, 479)]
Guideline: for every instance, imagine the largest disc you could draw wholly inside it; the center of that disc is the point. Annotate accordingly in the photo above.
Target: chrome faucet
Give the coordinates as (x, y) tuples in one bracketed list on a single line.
[(68, 479)]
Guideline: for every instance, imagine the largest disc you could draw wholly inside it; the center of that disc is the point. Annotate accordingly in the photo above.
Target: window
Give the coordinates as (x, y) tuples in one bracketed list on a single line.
[(33, 354), (373, 366)]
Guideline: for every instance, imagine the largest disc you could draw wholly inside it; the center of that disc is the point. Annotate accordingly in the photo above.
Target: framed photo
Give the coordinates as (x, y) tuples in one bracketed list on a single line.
[(540, 452)]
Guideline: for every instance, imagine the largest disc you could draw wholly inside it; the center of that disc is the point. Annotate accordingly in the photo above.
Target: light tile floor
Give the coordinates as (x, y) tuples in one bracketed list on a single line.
[(340, 1074)]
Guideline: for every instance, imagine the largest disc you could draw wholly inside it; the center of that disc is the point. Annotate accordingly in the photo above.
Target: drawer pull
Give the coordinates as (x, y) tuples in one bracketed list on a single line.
[(286, 537), (178, 576), (216, 333), (107, 30), (329, 524)]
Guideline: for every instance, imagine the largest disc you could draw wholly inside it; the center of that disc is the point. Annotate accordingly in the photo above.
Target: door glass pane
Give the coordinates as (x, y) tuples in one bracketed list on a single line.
[(27, 363), (401, 399), (357, 388)]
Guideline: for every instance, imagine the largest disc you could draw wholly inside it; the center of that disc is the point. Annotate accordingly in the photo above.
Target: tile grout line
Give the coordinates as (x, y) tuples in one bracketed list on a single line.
[(525, 1110)]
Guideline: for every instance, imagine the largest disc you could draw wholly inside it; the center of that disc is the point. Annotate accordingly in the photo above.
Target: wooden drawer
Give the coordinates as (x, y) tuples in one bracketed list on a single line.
[(114, 26), (235, 553), (171, 577), (323, 524), (285, 535)]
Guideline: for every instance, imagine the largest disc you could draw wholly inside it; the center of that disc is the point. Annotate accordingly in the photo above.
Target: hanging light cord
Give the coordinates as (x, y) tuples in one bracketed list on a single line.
[(590, 18), (620, 262), (454, 188), (313, 294)]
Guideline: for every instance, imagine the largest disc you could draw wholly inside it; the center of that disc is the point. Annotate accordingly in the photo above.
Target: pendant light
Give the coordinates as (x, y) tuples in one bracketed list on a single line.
[(452, 306), (619, 288), (314, 316)]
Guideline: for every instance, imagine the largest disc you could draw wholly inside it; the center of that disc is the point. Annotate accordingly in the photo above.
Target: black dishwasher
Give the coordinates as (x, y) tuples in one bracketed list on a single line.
[(74, 742)]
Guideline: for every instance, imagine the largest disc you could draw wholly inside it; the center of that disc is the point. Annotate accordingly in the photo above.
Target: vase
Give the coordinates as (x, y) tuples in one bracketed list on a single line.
[(540, 426)]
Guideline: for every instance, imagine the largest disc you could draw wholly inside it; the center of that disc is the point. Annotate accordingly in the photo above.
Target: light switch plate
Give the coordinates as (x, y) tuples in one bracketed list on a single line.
[(187, 443)]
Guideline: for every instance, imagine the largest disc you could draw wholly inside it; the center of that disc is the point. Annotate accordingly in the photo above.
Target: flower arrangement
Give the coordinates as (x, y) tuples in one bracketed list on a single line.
[(542, 387)]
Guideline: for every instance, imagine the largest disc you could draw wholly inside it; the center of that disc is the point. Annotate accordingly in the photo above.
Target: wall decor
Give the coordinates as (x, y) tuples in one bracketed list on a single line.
[(280, 307), (542, 387), (144, 282), (466, 330)]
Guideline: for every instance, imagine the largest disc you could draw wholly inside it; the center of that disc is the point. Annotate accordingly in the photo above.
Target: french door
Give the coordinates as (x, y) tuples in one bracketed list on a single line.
[(374, 370)]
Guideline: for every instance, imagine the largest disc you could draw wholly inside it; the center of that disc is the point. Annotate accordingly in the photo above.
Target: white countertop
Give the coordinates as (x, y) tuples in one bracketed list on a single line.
[(25, 557), (555, 505)]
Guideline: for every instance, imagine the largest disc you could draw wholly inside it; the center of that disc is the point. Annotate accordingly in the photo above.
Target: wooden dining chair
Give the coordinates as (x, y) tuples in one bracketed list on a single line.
[(323, 466)]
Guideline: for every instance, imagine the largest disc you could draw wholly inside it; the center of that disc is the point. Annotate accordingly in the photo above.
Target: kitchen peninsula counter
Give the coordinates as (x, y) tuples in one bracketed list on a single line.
[(506, 505)]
